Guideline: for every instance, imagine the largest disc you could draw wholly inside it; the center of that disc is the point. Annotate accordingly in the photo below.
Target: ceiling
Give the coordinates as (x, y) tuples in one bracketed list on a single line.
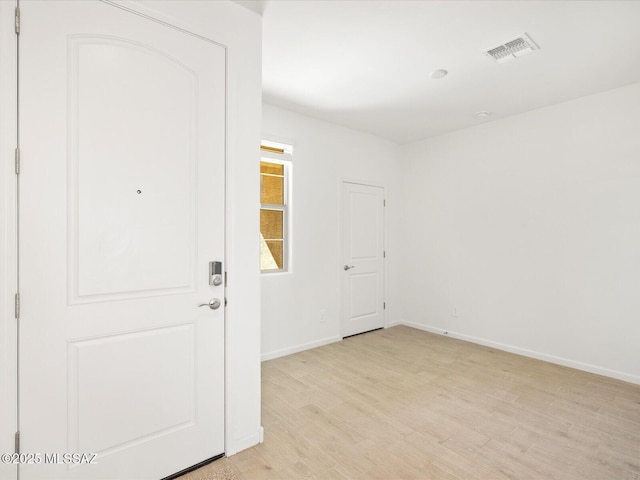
[(366, 64)]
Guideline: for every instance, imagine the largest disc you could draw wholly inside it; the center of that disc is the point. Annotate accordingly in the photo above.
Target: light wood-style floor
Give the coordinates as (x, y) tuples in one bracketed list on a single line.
[(405, 404)]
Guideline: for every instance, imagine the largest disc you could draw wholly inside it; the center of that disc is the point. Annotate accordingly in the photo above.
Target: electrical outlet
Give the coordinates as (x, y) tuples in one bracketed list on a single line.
[(454, 311), (323, 316)]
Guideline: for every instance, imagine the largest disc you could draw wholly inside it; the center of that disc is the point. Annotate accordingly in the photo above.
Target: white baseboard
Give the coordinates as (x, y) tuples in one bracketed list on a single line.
[(394, 323), (244, 443), (626, 377), (299, 348)]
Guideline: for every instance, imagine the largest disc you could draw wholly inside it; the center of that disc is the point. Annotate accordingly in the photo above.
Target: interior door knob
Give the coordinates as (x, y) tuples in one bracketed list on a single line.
[(213, 304), (347, 267)]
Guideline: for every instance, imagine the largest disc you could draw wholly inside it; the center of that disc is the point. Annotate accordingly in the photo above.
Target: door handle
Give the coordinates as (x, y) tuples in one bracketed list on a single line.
[(213, 304), (348, 267)]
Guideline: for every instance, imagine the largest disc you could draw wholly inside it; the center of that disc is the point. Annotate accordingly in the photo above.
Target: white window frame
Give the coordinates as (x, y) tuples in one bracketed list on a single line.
[(284, 159)]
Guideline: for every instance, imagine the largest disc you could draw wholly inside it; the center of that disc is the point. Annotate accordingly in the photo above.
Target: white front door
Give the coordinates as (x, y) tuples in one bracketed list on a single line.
[(122, 136), (363, 256)]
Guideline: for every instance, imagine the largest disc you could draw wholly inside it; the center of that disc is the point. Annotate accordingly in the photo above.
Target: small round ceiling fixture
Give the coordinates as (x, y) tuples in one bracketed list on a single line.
[(436, 74), (483, 114)]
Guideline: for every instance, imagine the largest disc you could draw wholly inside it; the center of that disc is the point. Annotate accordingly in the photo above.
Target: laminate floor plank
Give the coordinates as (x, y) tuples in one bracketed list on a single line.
[(401, 403)]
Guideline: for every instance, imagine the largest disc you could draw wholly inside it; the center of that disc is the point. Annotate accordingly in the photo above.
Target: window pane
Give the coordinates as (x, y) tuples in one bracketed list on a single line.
[(276, 248), (272, 168), (271, 222), (273, 199), (272, 190)]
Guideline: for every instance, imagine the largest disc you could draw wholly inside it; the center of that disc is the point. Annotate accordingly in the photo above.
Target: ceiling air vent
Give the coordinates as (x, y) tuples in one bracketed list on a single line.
[(512, 49)]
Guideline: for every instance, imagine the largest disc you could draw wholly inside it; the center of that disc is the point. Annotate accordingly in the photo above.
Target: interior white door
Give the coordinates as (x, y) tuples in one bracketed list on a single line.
[(122, 124), (363, 255)]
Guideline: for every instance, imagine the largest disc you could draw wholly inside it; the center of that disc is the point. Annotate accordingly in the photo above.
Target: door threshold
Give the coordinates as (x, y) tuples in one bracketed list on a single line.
[(361, 333), (193, 467)]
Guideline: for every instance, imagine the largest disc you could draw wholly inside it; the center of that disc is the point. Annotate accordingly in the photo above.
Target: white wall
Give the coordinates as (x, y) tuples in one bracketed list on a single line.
[(240, 31), (324, 154), (530, 227)]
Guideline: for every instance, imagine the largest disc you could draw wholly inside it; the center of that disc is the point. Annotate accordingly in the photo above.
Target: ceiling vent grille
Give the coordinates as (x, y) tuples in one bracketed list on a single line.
[(512, 49)]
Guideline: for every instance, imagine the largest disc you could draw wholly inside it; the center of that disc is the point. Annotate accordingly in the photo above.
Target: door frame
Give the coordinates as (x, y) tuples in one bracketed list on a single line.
[(8, 243), (344, 181)]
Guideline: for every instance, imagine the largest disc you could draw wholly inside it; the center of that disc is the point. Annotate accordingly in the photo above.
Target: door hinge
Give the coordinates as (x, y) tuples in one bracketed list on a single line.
[(384, 203), (17, 20), (384, 305), (17, 442), (17, 306), (17, 161), (384, 254), (225, 279)]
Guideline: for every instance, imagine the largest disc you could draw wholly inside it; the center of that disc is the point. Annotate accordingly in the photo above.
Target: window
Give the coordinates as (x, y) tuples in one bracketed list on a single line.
[(275, 166)]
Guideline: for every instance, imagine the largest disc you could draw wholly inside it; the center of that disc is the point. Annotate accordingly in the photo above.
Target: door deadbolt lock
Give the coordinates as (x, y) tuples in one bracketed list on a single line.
[(213, 304), (215, 273)]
